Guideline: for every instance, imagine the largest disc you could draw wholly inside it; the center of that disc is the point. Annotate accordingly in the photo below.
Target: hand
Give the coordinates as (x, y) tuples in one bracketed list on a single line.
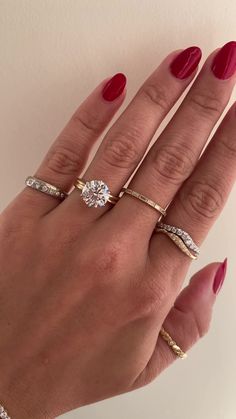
[(85, 291)]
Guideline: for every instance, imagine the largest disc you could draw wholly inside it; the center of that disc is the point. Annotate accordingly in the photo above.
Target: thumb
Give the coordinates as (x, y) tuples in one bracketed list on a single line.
[(189, 318)]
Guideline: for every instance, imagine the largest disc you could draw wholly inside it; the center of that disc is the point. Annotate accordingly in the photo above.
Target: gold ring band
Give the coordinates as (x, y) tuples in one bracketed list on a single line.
[(172, 344), (95, 193), (177, 241), (144, 199), (45, 187)]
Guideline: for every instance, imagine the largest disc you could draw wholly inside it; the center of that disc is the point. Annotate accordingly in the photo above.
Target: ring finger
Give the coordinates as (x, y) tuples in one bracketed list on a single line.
[(202, 197), (194, 209)]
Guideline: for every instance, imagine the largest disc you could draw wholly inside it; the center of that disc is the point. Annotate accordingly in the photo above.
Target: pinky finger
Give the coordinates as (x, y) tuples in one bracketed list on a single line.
[(188, 320)]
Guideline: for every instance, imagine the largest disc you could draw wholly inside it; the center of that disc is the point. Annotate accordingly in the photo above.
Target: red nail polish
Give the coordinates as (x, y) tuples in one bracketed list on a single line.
[(114, 87), (219, 277), (224, 63), (186, 62)]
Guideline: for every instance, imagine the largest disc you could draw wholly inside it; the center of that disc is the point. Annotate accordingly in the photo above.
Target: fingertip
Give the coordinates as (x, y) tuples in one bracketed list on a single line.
[(220, 277), (114, 87)]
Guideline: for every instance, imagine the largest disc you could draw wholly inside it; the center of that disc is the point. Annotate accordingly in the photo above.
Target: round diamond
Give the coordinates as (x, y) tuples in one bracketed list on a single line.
[(29, 182), (95, 193)]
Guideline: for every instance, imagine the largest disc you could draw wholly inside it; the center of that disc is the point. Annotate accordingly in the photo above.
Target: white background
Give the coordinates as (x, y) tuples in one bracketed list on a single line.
[(52, 54)]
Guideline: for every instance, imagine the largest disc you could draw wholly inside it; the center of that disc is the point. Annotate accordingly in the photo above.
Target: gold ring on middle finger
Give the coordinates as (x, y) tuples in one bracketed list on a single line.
[(144, 199)]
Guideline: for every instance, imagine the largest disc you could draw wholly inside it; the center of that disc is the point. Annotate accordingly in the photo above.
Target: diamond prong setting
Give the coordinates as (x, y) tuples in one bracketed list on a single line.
[(95, 193)]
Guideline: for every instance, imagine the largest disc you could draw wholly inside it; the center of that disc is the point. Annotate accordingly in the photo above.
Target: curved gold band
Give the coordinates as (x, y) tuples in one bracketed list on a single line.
[(172, 344), (177, 241), (144, 199), (80, 185), (185, 237)]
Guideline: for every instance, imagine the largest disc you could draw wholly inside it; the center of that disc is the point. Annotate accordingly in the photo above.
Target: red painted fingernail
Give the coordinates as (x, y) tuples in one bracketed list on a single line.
[(219, 277), (186, 62), (114, 87), (224, 63)]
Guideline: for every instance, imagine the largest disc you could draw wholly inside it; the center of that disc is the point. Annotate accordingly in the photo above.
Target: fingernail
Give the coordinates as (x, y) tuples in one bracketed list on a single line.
[(220, 276), (224, 63), (186, 62), (114, 87)]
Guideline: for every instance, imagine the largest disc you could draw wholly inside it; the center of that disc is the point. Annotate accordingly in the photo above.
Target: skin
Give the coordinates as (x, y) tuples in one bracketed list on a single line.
[(84, 292)]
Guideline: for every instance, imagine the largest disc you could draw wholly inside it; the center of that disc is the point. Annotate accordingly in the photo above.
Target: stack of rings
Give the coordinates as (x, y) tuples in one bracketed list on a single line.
[(96, 193), (181, 238)]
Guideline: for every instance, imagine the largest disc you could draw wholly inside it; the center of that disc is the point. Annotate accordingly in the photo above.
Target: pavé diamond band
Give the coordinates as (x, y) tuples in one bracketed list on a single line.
[(181, 238), (95, 193), (144, 199), (47, 188), (172, 344), (177, 241), (3, 413)]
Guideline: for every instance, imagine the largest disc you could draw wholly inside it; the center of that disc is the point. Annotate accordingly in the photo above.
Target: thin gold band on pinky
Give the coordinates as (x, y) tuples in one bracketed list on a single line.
[(144, 199), (177, 241), (172, 344)]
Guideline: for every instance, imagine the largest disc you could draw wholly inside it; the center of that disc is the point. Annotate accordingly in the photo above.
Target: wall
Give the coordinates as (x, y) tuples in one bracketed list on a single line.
[(53, 52)]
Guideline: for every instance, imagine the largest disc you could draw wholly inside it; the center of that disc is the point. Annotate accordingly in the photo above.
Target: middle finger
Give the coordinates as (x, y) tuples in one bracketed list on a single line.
[(125, 143)]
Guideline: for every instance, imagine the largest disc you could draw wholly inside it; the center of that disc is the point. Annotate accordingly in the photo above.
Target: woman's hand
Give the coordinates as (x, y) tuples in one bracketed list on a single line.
[(85, 291)]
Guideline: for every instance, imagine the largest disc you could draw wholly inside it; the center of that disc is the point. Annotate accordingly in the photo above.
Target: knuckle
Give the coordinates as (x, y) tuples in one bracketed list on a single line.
[(108, 262), (151, 298), (202, 201), (86, 121), (121, 149), (157, 95), (173, 163), (62, 160), (228, 146), (200, 325), (207, 104)]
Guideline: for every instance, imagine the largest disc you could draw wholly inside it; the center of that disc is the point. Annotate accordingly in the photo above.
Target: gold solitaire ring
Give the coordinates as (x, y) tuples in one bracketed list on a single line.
[(95, 193)]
